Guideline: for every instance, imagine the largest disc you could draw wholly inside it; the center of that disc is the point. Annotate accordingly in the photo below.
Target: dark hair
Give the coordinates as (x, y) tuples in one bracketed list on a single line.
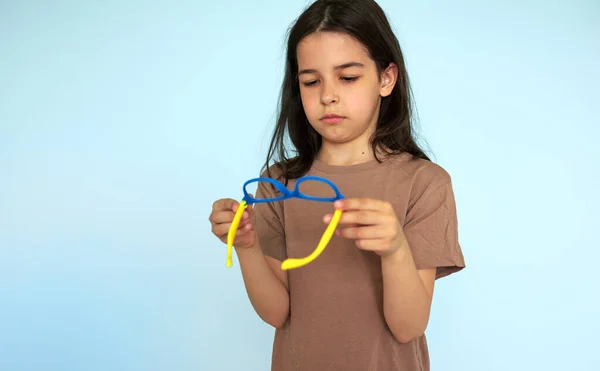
[(365, 21)]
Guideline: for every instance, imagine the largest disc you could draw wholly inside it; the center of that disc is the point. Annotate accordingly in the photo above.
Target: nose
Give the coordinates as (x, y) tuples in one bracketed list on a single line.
[(329, 94)]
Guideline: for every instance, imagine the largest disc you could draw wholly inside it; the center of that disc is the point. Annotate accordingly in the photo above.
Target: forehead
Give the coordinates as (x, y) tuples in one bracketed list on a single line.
[(324, 50)]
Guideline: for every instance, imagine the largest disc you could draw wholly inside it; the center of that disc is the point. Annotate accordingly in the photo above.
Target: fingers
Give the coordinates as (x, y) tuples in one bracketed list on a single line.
[(225, 204), (361, 203), (366, 232), (249, 209), (222, 215), (221, 230), (377, 238), (237, 204), (374, 244), (218, 217), (372, 224), (365, 217), (224, 210)]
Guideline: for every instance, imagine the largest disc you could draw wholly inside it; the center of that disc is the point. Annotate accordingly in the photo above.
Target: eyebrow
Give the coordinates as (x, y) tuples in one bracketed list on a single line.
[(340, 67)]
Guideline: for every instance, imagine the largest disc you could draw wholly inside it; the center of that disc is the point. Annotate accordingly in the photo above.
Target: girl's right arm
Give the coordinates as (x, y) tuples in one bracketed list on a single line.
[(267, 290), (265, 282)]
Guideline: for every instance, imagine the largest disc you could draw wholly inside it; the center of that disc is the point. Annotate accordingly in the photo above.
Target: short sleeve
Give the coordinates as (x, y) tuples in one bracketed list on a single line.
[(431, 228), (269, 223)]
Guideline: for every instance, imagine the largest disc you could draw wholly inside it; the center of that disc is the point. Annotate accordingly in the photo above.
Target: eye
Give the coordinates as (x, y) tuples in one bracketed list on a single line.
[(310, 83), (349, 78)]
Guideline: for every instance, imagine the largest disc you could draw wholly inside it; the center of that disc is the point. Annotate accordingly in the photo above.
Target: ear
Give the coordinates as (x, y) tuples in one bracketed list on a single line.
[(388, 80)]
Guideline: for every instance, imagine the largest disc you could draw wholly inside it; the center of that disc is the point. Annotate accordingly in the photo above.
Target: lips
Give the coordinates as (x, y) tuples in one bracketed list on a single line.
[(332, 119)]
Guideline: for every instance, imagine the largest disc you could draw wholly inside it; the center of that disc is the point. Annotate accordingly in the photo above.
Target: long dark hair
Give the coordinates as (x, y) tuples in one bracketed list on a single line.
[(365, 21)]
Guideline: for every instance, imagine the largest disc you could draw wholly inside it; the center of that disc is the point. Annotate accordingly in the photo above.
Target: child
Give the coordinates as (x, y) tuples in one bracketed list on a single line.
[(364, 303)]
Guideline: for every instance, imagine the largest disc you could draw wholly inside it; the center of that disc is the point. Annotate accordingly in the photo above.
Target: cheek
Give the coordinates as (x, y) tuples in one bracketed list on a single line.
[(362, 104), (310, 102)]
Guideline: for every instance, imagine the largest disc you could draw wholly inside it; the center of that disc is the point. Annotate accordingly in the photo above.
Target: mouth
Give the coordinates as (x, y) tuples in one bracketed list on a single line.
[(332, 119)]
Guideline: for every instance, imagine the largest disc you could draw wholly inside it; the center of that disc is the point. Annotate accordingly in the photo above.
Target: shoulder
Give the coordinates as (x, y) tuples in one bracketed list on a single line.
[(421, 173), (274, 171), (287, 169), (269, 188), (417, 178)]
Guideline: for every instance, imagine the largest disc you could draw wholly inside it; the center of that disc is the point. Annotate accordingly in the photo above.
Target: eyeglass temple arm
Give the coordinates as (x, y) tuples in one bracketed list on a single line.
[(232, 231), (292, 263)]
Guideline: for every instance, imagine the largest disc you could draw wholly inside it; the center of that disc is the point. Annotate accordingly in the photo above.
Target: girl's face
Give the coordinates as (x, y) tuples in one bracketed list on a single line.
[(340, 87)]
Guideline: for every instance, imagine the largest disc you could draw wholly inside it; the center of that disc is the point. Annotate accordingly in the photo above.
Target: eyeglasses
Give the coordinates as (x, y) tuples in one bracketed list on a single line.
[(289, 263)]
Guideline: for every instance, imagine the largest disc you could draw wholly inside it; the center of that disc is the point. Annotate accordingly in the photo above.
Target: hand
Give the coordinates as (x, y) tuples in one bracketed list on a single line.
[(221, 217), (372, 223)]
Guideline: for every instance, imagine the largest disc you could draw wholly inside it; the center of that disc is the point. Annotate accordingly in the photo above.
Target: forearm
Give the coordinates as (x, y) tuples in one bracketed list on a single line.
[(268, 295), (406, 300)]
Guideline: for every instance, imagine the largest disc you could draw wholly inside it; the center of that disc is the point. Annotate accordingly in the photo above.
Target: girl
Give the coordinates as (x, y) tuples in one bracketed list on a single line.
[(364, 303)]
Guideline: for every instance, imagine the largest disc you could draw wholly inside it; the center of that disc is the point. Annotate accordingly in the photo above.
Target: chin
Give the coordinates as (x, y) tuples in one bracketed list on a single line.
[(337, 139), (336, 135)]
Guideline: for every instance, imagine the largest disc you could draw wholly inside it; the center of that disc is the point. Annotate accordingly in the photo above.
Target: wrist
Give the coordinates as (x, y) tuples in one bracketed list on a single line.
[(245, 250), (398, 255)]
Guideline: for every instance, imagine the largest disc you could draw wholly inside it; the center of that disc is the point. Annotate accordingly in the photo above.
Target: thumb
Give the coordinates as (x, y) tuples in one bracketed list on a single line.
[(226, 204), (251, 206), (248, 206)]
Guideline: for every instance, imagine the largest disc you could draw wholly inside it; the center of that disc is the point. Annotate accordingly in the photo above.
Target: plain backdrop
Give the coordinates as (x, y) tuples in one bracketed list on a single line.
[(121, 123)]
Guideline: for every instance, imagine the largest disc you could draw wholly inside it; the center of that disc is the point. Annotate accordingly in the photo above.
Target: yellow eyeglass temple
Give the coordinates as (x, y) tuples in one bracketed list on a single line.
[(292, 263), (232, 231)]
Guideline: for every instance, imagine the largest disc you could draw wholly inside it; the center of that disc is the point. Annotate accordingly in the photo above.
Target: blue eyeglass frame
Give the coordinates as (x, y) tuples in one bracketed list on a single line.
[(295, 193), (289, 263)]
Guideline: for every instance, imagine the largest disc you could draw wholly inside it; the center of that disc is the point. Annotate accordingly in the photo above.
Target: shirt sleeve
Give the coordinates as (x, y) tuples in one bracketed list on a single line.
[(268, 224), (431, 228)]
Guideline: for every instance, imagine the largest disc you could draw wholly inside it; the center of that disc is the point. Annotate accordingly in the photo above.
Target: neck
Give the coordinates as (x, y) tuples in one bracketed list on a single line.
[(345, 154)]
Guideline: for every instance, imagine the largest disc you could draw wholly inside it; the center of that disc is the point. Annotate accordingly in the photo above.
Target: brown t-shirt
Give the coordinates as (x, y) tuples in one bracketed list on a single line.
[(336, 302)]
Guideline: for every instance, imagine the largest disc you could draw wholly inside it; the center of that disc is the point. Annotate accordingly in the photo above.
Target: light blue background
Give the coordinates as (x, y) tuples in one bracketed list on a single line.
[(121, 123)]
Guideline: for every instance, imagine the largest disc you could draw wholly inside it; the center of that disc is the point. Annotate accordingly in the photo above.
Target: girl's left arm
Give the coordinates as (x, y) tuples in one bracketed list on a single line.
[(407, 294), (407, 291)]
